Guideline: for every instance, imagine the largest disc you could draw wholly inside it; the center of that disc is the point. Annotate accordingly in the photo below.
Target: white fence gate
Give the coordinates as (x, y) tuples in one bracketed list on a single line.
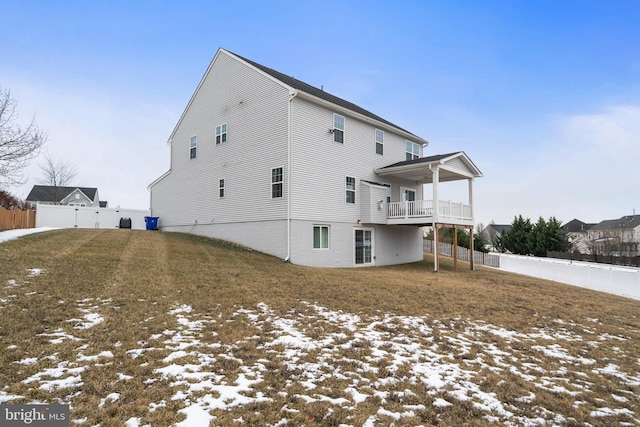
[(88, 217)]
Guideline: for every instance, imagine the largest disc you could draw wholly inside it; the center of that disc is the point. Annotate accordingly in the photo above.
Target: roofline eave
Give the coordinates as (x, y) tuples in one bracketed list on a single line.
[(362, 117)]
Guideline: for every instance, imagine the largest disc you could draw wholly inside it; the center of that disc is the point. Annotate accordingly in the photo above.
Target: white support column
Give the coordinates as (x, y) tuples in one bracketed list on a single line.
[(436, 202), (473, 218)]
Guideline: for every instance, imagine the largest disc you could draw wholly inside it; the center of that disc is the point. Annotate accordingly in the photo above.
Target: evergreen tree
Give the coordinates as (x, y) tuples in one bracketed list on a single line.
[(516, 240)]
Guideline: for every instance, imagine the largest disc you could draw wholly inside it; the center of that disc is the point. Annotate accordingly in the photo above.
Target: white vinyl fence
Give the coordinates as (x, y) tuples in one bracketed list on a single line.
[(480, 258), (617, 280), (88, 217)]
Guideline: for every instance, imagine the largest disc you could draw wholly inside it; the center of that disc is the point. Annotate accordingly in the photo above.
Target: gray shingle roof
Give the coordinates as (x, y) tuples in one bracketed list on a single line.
[(46, 193), (312, 90), (422, 160), (577, 226), (626, 222)]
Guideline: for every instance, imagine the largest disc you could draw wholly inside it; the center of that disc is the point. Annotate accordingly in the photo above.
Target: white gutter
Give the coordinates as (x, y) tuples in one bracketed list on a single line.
[(293, 95)]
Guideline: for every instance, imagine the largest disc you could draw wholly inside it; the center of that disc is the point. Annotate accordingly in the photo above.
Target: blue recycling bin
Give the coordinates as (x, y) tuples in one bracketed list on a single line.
[(152, 222)]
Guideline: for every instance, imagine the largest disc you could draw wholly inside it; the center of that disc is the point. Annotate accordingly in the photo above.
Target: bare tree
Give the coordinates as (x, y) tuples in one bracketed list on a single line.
[(18, 144), (56, 174)]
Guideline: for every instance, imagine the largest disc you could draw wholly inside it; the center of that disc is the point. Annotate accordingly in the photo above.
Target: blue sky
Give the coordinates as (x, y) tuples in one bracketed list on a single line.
[(544, 96)]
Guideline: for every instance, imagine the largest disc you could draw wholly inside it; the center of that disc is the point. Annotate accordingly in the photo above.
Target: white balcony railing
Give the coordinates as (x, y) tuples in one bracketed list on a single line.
[(424, 209)]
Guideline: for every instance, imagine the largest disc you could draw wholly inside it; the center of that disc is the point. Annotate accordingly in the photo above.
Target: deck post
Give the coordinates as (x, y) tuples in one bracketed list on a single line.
[(455, 248), (471, 248), (435, 248)]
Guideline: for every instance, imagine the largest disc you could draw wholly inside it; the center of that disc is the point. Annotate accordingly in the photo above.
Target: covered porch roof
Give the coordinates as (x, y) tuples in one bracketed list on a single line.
[(451, 167)]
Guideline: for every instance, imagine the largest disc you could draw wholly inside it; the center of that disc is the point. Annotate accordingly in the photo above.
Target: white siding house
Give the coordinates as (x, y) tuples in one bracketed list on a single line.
[(267, 161)]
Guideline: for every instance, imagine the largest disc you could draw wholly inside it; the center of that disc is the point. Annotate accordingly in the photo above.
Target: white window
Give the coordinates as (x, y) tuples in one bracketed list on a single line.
[(379, 141), (412, 150), (350, 188), (338, 128), (320, 237), (193, 143), (277, 178), (221, 133), (221, 188)]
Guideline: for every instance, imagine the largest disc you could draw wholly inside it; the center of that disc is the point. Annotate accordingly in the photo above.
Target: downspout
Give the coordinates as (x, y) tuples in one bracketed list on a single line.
[(293, 95)]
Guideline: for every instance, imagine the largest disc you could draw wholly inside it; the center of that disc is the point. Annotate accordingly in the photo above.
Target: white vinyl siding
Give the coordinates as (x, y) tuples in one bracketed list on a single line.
[(319, 167), (255, 107)]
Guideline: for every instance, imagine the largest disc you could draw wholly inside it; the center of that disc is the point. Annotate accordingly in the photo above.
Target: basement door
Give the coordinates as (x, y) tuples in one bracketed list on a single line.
[(363, 246)]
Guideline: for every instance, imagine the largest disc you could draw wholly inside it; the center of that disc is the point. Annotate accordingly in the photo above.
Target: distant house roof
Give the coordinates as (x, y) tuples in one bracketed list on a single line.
[(48, 193), (577, 226), (500, 228), (626, 222)]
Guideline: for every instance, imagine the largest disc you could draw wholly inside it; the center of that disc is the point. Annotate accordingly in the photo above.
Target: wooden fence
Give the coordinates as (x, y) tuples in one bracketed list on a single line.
[(11, 219)]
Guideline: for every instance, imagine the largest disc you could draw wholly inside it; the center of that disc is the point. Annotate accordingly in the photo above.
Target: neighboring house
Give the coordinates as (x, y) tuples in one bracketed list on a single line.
[(492, 233), (68, 196), (270, 162), (618, 237), (577, 234)]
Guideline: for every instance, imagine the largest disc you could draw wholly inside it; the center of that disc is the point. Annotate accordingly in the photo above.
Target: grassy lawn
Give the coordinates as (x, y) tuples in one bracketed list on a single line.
[(150, 328)]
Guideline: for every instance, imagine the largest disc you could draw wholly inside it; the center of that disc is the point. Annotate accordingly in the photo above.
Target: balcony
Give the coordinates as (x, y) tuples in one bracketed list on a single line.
[(423, 212)]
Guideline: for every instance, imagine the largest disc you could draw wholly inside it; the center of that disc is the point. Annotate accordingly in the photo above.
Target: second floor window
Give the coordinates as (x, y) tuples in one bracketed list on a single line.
[(277, 178), (221, 189), (338, 128), (412, 150), (193, 144), (350, 189), (221, 133), (379, 141)]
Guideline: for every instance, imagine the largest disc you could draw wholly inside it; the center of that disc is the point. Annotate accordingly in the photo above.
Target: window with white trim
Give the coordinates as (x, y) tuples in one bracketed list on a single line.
[(320, 237), (277, 179), (193, 145), (412, 150), (221, 133), (379, 141), (350, 189), (338, 128), (221, 188)]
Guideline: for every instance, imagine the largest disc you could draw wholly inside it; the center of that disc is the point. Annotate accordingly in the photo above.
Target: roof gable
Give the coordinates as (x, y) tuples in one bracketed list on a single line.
[(453, 166), (49, 193), (577, 226), (296, 85)]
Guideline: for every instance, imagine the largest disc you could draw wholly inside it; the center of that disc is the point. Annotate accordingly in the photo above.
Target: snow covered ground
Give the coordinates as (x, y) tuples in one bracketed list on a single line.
[(14, 234), (384, 359), (404, 365)]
